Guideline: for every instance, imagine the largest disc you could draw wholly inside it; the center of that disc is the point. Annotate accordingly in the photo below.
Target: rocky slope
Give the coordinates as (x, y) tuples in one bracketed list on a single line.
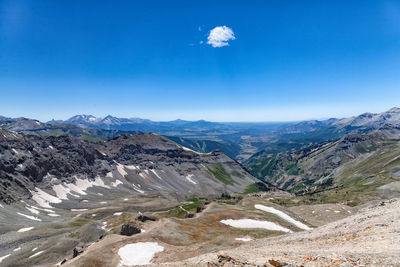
[(142, 163), (362, 162), (368, 238)]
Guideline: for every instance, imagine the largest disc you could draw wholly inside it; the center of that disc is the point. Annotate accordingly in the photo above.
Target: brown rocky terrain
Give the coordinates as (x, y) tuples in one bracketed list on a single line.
[(368, 238)]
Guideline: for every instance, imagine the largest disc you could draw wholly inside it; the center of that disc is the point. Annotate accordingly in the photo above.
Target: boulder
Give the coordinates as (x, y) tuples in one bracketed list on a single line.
[(76, 252), (144, 218), (129, 229)]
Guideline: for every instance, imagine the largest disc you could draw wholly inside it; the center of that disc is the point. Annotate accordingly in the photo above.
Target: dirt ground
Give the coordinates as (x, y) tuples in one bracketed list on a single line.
[(368, 238), (184, 239)]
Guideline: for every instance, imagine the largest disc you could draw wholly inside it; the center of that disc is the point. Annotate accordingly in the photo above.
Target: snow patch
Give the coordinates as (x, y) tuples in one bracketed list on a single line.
[(36, 254), (79, 209), (189, 178), (188, 149), (53, 215), (44, 199), (61, 191), (81, 185), (116, 183), (32, 210), (121, 170), (250, 223), (25, 229), (30, 217), (283, 216), (131, 167), (117, 213), (137, 189), (156, 174), (42, 209), (4, 257), (139, 253), (99, 182), (17, 249)]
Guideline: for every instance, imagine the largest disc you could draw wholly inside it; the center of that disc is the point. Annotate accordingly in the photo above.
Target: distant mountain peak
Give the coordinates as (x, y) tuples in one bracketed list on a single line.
[(394, 110)]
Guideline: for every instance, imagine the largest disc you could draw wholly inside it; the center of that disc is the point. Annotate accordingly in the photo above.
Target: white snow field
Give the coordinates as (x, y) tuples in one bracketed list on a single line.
[(116, 183), (62, 191), (250, 223), (283, 216), (121, 169), (138, 253), (80, 186), (44, 199)]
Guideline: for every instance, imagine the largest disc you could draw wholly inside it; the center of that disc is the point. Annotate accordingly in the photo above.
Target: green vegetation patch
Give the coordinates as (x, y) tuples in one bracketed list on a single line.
[(182, 210), (237, 174), (79, 222), (74, 235), (221, 174), (256, 187), (292, 169)]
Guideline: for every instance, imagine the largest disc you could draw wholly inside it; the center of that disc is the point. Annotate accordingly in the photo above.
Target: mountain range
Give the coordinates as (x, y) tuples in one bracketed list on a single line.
[(355, 168), (141, 163), (70, 191), (238, 140)]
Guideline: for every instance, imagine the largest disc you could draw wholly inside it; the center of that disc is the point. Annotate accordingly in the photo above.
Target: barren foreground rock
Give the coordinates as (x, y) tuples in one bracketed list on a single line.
[(368, 238)]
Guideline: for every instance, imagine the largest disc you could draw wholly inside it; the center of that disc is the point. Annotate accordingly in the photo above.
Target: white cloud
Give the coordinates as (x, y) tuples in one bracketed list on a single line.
[(219, 36)]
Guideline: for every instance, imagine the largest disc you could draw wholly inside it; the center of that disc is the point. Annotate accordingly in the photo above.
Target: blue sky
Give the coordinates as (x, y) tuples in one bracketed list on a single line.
[(290, 60)]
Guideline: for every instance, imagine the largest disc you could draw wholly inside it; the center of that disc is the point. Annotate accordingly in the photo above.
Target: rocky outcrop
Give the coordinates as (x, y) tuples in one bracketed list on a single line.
[(144, 218), (129, 229), (145, 163)]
